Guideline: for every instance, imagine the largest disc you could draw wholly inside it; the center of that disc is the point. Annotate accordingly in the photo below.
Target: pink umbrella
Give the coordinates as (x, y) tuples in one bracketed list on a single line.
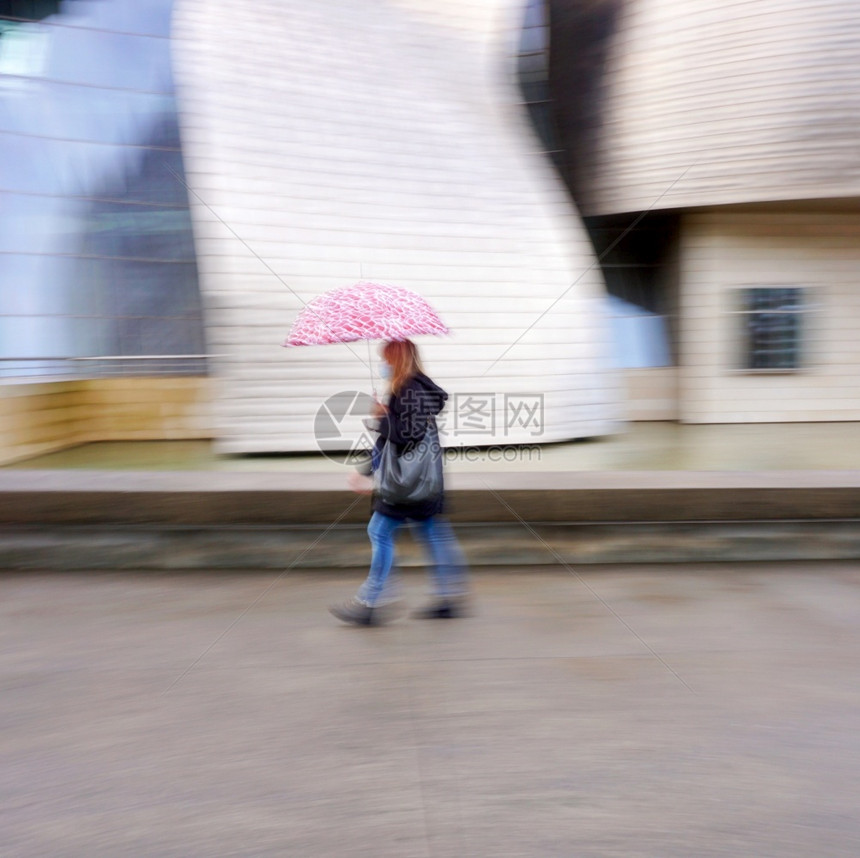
[(364, 311)]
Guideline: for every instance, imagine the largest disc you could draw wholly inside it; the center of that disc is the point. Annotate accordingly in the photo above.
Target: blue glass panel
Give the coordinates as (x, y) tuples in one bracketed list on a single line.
[(35, 224), (535, 13), (96, 251), (534, 39), (139, 16), (35, 336), (108, 59)]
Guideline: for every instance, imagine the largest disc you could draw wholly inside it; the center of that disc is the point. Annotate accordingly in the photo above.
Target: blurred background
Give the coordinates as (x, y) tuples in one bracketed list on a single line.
[(643, 215), (97, 251), (177, 179)]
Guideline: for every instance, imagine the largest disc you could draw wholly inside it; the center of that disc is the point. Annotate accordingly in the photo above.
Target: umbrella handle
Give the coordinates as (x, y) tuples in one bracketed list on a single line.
[(370, 370)]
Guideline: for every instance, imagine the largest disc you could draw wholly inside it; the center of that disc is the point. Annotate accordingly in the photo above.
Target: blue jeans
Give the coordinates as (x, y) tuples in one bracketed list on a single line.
[(437, 536)]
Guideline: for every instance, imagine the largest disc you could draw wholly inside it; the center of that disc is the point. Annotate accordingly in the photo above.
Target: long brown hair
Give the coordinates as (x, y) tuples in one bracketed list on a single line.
[(403, 358)]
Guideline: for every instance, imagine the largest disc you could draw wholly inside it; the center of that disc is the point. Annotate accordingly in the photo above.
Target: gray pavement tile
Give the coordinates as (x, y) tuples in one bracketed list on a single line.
[(540, 726), (636, 446), (269, 741), (714, 609)]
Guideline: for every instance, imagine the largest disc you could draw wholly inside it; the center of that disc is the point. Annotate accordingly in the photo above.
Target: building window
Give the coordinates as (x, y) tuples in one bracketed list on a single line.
[(772, 328)]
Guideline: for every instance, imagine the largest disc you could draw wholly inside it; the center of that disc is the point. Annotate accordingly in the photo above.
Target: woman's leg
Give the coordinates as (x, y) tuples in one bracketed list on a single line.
[(381, 531), (449, 564)]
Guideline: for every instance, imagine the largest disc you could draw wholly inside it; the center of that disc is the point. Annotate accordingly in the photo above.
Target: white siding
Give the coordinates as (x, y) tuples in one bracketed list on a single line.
[(362, 139), (726, 249), (709, 102)]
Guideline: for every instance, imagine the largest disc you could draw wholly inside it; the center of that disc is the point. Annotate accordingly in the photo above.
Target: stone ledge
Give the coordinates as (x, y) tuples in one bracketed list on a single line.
[(346, 546), (218, 498)]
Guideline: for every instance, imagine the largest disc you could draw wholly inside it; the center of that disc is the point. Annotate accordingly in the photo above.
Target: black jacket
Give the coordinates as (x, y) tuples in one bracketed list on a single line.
[(405, 423)]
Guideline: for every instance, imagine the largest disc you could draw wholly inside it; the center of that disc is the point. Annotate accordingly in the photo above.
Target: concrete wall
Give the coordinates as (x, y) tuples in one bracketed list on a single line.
[(726, 249), (40, 418), (708, 102), (380, 139)]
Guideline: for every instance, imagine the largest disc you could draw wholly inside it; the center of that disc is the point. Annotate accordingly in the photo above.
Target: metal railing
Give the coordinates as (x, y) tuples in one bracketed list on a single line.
[(16, 369)]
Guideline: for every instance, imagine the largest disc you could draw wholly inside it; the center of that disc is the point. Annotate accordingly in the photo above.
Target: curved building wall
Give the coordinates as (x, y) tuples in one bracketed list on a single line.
[(708, 102), (358, 139)]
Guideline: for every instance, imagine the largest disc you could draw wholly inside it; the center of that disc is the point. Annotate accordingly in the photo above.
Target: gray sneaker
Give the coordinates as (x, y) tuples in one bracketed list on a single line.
[(359, 614), (354, 612)]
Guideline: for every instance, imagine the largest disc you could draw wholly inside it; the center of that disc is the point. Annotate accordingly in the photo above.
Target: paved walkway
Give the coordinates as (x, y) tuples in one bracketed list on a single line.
[(640, 447), (626, 711)]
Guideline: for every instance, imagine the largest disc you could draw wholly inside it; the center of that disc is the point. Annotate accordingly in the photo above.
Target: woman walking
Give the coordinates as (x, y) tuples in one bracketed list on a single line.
[(406, 422)]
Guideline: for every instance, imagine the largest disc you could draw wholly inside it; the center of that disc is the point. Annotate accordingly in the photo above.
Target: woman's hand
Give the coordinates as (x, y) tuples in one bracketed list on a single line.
[(378, 410), (360, 484)]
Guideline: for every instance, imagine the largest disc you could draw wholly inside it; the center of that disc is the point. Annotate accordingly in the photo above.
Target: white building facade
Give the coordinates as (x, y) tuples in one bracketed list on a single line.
[(327, 143), (743, 118)]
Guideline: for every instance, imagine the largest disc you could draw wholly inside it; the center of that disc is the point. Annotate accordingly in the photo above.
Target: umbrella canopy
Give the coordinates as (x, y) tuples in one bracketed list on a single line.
[(364, 311)]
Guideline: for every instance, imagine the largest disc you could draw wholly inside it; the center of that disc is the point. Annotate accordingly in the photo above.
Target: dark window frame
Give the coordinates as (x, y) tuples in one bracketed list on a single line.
[(771, 323)]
